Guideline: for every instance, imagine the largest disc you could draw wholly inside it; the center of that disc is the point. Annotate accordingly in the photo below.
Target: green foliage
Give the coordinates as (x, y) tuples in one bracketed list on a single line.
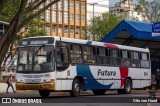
[(150, 8), (100, 26), (9, 10), (34, 31)]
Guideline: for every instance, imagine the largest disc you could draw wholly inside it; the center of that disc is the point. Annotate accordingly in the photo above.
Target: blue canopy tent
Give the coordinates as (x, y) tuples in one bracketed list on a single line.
[(137, 34)]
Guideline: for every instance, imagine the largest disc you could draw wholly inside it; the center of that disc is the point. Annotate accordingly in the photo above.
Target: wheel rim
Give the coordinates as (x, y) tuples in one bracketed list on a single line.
[(76, 87), (128, 86)]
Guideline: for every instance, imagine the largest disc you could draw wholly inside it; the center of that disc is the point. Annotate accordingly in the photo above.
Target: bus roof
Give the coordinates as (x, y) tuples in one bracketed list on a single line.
[(94, 43)]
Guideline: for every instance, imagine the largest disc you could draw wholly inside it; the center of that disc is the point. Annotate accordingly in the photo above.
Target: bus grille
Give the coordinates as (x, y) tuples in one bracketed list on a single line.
[(33, 76), (32, 80)]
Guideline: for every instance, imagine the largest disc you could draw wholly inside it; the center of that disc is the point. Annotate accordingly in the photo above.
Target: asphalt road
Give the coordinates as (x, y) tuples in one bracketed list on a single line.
[(64, 99)]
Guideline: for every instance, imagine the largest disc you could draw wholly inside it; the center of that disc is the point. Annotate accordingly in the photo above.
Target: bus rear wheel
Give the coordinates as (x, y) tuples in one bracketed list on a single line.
[(127, 87), (44, 93), (75, 88), (99, 92)]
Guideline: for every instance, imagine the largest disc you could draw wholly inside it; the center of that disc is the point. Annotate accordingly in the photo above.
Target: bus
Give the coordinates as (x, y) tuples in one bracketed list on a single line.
[(50, 64)]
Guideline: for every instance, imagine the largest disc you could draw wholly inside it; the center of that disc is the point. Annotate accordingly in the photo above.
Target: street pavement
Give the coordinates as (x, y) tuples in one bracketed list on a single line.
[(3, 87), (111, 98)]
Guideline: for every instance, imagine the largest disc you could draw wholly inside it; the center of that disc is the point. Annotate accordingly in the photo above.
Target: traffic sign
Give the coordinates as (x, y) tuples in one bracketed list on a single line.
[(156, 29)]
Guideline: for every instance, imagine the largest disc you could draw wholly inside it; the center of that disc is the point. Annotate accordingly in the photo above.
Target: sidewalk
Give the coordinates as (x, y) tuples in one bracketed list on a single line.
[(3, 87)]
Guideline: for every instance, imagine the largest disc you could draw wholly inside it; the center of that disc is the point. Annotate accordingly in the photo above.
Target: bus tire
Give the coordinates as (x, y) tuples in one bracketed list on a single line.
[(99, 92), (127, 86), (76, 86), (44, 93), (120, 91)]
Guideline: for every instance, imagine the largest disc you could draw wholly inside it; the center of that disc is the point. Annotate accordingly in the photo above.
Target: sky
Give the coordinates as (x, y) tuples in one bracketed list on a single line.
[(113, 2)]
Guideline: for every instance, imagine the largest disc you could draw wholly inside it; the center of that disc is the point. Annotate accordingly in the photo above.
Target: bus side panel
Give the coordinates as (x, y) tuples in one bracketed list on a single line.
[(134, 73), (58, 85), (69, 85), (64, 85), (109, 76), (146, 77)]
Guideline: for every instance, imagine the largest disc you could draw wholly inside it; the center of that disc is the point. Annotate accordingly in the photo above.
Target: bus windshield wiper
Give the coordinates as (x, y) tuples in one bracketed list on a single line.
[(40, 48)]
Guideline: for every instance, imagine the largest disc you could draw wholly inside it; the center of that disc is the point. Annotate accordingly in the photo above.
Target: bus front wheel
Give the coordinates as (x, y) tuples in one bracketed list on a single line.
[(44, 93), (75, 88)]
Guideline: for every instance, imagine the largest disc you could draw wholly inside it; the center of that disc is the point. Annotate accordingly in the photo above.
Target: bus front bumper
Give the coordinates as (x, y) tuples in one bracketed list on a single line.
[(41, 86)]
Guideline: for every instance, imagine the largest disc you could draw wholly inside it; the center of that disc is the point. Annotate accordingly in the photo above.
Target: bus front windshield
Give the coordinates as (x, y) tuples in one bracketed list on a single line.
[(35, 59)]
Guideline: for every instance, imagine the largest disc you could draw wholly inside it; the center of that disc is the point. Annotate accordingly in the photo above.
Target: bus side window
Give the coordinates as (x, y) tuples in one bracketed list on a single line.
[(62, 55), (101, 56), (89, 55), (135, 59), (145, 60), (126, 62), (115, 60), (76, 51)]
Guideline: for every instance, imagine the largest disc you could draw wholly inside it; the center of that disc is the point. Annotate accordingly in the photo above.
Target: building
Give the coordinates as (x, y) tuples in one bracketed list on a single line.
[(66, 18), (96, 8), (122, 6), (126, 9), (3, 26)]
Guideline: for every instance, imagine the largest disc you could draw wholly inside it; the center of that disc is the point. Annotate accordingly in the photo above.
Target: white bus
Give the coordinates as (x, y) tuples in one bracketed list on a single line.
[(51, 64)]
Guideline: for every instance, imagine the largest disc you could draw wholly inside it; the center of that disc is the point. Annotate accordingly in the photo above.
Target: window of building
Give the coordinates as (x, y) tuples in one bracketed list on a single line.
[(77, 5), (71, 16), (65, 5), (65, 29), (47, 28), (77, 16), (71, 31), (60, 16), (65, 17), (83, 6), (54, 7), (59, 30), (71, 5), (83, 17), (53, 28), (47, 16), (53, 16), (83, 31), (47, 2), (60, 5), (77, 30), (76, 56)]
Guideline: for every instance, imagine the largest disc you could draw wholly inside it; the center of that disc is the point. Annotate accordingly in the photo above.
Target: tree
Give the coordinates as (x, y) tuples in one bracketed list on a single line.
[(100, 26), (26, 11), (149, 9)]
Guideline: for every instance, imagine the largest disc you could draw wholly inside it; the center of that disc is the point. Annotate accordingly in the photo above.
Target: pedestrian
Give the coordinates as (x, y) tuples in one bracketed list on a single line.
[(9, 82)]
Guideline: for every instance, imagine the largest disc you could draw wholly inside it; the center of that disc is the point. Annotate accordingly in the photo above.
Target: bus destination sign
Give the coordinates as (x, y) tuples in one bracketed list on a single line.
[(36, 41)]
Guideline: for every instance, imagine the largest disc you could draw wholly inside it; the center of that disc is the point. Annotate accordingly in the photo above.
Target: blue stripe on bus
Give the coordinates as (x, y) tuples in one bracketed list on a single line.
[(89, 42), (84, 71)]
